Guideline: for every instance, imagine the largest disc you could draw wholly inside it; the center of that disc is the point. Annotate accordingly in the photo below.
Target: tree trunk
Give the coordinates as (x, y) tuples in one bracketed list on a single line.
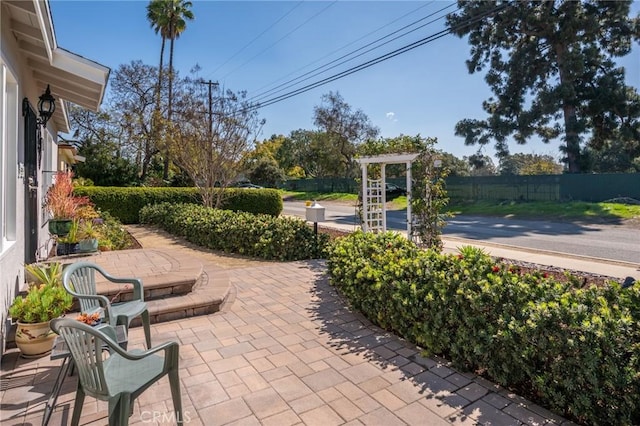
[(571, 136), (156, 118), (572, 139), (167, 161), (160, 75)]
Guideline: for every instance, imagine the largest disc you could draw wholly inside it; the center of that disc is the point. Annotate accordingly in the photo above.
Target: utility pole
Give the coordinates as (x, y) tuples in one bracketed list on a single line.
[(210, 84)]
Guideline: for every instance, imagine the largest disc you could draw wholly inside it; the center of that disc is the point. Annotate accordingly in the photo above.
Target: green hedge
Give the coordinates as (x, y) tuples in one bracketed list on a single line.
[(263, 236), (576, 349), (126, 203)]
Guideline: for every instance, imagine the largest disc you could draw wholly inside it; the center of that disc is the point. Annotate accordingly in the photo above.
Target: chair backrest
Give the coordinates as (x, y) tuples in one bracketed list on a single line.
[(80, 278), (86, 345)]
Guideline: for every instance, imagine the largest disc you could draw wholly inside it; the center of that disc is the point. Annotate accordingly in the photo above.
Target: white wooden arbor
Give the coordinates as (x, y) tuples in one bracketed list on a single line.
[(374, 197)]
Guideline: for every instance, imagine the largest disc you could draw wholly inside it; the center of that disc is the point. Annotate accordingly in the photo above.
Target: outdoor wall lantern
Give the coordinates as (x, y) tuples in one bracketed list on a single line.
[(46, 107)]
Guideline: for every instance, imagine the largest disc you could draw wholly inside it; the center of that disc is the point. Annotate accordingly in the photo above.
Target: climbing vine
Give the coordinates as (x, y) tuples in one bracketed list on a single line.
[(428, 193)]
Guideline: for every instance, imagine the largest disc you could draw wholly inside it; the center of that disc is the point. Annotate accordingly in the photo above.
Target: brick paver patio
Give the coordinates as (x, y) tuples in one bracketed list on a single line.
[(284, 351)]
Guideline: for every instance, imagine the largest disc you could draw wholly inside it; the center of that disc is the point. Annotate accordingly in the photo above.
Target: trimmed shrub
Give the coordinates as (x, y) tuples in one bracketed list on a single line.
[(126, 203), (576, 350), (263, 236), (258, 201)]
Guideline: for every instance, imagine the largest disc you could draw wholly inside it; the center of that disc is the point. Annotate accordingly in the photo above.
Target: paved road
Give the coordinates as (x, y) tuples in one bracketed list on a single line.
[(607, 242)]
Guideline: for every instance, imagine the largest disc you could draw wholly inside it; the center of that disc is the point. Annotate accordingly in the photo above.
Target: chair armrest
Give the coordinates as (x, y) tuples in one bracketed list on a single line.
[(136, 283), (107, 334), (103, 300), (170, 348), (138, 289)]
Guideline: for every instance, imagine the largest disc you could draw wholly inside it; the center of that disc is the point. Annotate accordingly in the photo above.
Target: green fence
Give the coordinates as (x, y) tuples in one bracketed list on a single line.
[(600, 187), (496, 188), (323, 185), (583, 187)]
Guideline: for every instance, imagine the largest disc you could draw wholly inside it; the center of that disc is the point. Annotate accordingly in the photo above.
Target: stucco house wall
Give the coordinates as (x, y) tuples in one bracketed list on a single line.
[(30, 60)]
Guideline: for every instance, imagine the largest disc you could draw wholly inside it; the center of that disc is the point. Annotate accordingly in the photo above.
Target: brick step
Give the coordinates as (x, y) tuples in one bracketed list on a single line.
[(179, 286), (155, 286), (176, 285), (208, 296)]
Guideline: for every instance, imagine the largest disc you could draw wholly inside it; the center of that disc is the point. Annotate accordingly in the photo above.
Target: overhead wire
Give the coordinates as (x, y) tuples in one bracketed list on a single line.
[(280, 39), (326, 67), (256, 38), (345, 46), (377, 60)]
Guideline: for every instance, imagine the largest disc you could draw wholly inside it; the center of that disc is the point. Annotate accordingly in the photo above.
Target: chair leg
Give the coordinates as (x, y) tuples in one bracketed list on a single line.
[(147, 328), (120, 410), (174, 383), (77, 405)]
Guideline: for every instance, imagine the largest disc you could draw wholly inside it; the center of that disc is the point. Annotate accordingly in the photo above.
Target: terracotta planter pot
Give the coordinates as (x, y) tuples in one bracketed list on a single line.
[(34, 340)]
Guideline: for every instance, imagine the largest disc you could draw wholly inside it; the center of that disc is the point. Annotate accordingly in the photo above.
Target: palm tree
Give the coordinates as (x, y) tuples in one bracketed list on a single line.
[(168, 17), (158, 19)]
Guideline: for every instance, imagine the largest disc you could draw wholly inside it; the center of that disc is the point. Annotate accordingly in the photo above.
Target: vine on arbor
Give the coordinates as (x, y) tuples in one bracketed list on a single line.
[(428, 194)]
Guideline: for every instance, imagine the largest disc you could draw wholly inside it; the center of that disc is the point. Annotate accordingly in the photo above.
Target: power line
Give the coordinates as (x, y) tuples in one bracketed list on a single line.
[(357, 68), (279, 40), (345, 46), (256, 38), (301, 79), (377, 60)]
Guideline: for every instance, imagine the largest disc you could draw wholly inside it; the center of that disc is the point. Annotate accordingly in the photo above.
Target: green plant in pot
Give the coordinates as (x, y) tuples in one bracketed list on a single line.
[(88, 236), (44, 273), (69, 244), (44, 301), (62, 204)]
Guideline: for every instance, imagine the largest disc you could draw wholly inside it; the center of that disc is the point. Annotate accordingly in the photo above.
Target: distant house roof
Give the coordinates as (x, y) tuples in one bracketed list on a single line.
[(69, 154), (72, 78)]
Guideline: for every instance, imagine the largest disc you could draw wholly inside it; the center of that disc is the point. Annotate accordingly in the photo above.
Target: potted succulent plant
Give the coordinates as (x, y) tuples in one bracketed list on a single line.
[(62, 204), (88, 237), (44, 301)]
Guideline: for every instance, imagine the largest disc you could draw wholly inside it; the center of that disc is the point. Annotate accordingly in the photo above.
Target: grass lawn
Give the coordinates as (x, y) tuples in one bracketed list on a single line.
[(317, 196), (573, 210), (551, 210)]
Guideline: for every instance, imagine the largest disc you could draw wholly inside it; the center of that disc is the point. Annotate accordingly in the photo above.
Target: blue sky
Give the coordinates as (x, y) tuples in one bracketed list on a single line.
[(255, 45)]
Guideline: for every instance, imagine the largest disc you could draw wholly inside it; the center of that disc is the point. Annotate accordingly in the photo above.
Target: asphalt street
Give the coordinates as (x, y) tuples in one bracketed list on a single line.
[(611, 242)]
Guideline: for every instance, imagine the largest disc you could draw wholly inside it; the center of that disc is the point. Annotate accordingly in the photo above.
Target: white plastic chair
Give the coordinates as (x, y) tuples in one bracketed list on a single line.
[(79, 280)]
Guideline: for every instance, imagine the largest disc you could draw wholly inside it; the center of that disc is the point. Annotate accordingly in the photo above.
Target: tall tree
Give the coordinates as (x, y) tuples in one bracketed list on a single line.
[(550, 62), (455, 165), (481, 165), (260, 165), (346, 129), (212, 156), (616, 157), (132, 105), (103, 167), (157, 17), (123, 125), (529, 164), (169, 18), (310, 153)]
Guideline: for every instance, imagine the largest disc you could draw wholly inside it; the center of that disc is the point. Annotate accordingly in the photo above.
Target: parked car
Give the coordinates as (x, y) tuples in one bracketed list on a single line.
[(248, 185), (392, 189)]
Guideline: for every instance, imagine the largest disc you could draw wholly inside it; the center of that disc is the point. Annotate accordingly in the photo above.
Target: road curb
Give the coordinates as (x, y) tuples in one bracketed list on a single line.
[(544, 252)]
